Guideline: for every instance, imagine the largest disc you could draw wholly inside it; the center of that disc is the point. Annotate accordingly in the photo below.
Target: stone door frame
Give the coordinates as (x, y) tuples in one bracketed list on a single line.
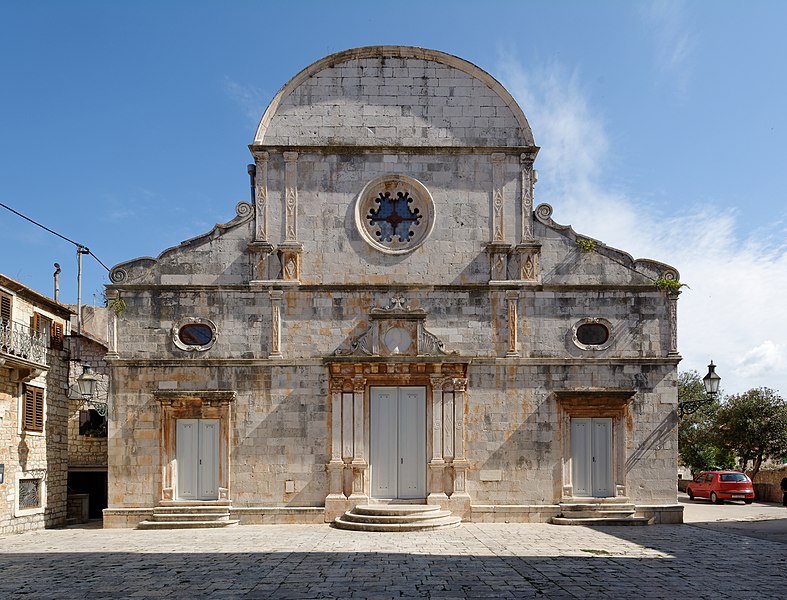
[(193, 404), (349, 427), (594, 404)]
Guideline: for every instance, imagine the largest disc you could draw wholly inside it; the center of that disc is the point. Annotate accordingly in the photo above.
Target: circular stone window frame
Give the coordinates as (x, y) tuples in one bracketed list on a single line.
[(592, 321), (395, 182), (178, 325)]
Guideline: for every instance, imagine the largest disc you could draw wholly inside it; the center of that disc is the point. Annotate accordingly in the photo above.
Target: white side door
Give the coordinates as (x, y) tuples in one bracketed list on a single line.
[(591, 457), (602, 458), (197, 450), (581, 456)]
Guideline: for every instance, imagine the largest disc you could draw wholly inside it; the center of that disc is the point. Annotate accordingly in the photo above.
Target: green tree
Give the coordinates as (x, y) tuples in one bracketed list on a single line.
[(697, 442), (753, 426)]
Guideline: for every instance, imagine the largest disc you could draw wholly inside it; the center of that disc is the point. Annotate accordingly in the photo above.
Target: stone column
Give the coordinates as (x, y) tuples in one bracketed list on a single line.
[(512, 298), (336, 465), (437, 463), (261, 197), (260, 248), (497, 248), (291, 250), (359, 464), (526, 199), (460, 464), (276, 297), (672, 298), (290, 196)]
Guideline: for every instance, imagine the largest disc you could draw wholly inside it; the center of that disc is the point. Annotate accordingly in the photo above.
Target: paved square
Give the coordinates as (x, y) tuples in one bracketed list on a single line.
[(316, 561)]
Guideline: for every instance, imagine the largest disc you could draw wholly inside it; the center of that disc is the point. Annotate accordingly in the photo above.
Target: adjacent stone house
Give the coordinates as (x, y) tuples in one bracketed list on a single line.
[(391, 319), (87, 422), (33, 409)]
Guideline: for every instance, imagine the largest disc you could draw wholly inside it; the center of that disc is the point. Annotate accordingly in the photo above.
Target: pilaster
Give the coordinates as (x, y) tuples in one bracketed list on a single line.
[(498, 225), (512, 298), (276, 298)]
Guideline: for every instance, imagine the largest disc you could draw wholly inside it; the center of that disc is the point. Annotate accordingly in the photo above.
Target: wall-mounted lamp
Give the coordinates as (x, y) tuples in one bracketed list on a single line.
[(711, 382), (88, 386)]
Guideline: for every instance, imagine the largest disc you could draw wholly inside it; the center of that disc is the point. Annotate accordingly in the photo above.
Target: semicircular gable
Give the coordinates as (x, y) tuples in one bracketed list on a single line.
[(393, 95)]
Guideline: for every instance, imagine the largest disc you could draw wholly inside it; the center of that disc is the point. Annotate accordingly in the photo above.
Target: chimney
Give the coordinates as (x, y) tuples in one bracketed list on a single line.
[(57, 281)]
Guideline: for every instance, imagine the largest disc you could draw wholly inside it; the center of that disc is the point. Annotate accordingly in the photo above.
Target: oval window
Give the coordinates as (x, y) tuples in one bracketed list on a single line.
[(195, 334), (592, 334)]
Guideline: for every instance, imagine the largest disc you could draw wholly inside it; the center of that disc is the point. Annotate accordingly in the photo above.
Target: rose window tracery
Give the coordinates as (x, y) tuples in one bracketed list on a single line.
[(394, 214)]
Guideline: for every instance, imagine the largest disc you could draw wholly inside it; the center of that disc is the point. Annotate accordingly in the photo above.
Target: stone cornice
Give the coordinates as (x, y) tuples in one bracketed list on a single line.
[(516, 151), (254, 286), (318, 361)]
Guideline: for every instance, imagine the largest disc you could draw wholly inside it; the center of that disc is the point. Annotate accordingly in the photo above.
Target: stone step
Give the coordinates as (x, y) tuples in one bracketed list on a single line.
[(193, 509), (601, 514), (225, 503), (603, 521), (431, 524), (411, 518), (395, 509), (184, 524), (396, 517), (181, 516), (582, 506)]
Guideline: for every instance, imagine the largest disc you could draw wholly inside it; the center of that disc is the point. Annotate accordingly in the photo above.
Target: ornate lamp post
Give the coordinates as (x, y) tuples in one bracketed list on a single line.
[(711, 382), (88, 387)]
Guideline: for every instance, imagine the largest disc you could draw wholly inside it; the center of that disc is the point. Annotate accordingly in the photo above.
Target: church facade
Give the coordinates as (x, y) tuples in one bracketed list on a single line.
[(392, 318)]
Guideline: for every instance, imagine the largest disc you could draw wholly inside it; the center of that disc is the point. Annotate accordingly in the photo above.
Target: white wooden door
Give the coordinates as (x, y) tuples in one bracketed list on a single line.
[(398, 442), (591, 456), (197, 449)]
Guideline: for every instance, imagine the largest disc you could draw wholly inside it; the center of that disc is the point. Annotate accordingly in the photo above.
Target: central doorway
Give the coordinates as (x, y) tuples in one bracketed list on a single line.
[(198, 459), (398, 442), (591, 456)]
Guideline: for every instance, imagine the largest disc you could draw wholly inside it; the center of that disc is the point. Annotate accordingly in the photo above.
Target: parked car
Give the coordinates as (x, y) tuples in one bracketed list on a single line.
[(719, 486)]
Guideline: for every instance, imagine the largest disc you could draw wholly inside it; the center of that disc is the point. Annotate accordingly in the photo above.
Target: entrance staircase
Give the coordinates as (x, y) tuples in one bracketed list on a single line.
[(396, 517), (599, 511), (173, 514)]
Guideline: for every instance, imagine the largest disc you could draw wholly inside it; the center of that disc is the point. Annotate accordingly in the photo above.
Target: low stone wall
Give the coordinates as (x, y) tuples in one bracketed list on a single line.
[(767, 484)]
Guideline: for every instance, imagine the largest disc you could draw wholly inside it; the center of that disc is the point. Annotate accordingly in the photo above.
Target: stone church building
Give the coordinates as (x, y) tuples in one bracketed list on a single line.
[(391, 319)]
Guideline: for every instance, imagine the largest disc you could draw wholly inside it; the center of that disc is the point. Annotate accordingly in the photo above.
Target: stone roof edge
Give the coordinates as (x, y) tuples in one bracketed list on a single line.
[(543, 215), (394, 52), (120, 272)]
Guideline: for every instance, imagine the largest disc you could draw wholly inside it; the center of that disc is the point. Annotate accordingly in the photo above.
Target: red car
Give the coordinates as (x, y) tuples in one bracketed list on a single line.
[(719, 486)]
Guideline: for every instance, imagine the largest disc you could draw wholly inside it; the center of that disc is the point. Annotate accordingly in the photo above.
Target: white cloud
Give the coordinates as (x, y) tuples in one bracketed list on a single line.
[(762, 360), (735, 302), (252, 100), (673, 42)]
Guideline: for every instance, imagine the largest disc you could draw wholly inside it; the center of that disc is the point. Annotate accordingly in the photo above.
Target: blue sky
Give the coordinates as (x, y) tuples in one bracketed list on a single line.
[(663, 130)]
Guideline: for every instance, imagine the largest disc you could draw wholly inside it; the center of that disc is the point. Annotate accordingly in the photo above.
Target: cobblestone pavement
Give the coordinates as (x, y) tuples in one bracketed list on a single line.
[(316, 561)]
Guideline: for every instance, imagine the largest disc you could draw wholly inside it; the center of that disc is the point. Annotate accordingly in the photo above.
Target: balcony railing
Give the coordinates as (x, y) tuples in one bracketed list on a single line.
[(22, 341)]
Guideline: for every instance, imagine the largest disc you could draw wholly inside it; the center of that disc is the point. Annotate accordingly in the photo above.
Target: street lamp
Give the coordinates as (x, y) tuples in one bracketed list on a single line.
[(88, 388), (711, 382)]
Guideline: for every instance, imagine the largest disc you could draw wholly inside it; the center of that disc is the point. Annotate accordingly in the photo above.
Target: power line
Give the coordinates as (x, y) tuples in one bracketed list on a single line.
[(81, 248)]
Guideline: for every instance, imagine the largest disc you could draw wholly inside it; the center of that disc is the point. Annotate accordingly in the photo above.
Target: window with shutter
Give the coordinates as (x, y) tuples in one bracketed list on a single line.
[(57, 336), (42, 326), (33, 409), (5, 307)]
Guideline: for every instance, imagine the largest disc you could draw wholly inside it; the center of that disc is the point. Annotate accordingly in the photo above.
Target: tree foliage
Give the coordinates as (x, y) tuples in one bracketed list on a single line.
[(697, 442), (743, 430), (753, 426)]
